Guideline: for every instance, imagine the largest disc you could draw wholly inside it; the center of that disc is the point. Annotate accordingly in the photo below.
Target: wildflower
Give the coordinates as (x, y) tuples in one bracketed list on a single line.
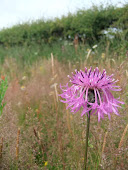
[(69, 36), (88, 49), (23, 88), (103, 55), (24, 78), (37, 110), (41, 68), (19, 103), (2, 77), (95, 46), (36, 53), (127, 73), (91, 90), (46, 163)]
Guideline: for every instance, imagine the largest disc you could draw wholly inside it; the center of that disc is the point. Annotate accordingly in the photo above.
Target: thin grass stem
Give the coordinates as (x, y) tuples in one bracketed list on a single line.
[(86, 145)]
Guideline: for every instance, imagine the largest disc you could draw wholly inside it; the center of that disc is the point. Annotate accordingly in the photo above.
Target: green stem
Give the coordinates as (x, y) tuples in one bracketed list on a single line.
[(87, 135)]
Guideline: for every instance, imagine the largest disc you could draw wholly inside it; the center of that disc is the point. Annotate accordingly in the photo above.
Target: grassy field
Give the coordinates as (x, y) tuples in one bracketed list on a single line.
[(36, 130)]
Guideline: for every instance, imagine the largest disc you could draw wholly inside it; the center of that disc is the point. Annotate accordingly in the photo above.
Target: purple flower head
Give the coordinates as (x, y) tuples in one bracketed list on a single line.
[(91, 90)]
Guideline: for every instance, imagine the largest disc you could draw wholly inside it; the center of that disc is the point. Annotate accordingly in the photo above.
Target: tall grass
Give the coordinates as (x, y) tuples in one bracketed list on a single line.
[(50, 136)]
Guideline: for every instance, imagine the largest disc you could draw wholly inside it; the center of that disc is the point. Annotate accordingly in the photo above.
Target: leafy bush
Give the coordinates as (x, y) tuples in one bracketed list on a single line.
[(87, 24)]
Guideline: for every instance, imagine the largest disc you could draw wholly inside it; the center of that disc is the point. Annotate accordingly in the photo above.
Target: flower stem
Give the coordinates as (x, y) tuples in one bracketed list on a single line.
[(87, 135)]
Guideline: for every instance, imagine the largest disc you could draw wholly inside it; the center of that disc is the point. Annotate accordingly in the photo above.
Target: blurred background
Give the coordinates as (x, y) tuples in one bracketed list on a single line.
[(16, 12)]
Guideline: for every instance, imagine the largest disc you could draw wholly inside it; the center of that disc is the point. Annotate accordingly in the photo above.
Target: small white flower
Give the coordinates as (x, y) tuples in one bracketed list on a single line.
[(94, 46), (24, 78)]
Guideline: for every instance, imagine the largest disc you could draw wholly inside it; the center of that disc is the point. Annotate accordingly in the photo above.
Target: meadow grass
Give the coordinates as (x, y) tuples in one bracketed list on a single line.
[(50, 137)]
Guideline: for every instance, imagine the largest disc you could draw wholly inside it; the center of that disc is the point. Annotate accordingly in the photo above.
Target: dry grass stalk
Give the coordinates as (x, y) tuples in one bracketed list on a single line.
[(52, 61), (55, 103), (38, 114), (38, 137), (56, 92), (104, 143), (76, 42), (35, 133), (121, 143), (17, 143), (1, 147), (69, 65), (122, 138), (68, 122), (107, 48), (89, 52)]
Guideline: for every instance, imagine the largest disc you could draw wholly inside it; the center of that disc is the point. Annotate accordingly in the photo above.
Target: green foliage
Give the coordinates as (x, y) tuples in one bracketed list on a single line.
[(3, 88), (89, 22)]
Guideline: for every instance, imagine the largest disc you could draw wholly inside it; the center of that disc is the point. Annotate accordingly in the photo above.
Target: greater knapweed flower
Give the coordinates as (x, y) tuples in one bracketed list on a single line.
[(91, 90)]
